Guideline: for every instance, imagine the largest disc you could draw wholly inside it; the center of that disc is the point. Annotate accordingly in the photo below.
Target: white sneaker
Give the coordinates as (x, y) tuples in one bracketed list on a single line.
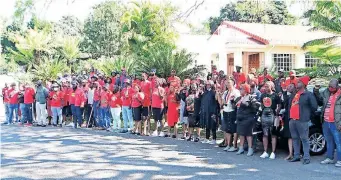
[(232, 149), (272, 155), (213, 142), (264, 155), (155, 133), (227, 148), (327, 161), (162, 134), (338, 164), (206, 141)]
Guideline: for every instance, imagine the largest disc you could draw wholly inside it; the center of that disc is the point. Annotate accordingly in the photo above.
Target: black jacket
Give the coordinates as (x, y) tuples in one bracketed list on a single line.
[(308, 105)]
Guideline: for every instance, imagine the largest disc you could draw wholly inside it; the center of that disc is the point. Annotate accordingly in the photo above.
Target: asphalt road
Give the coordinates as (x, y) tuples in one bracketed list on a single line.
[(64, 153)]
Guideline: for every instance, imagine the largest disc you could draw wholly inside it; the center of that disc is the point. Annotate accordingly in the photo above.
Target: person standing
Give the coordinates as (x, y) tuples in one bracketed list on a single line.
[(56, 97), (126, 95), (330, 99), (172, 113), (279, 81), (115, 108), (265, 77), (6, 101), (23, 118), (89, 117), (239, 77), (292, 78), (28, 101), (146, 88), (13, 103), (104, 108), (79, 103), (41, 99), (229, 125), (136, 104), (158, 96), (271, 105), (302, 105), (182, 95), (174, 80), (209, 113)]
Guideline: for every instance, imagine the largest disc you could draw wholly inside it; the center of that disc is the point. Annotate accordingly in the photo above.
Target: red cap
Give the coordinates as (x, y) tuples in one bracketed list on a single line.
[(246, 87), (305, 80), (292, 73)]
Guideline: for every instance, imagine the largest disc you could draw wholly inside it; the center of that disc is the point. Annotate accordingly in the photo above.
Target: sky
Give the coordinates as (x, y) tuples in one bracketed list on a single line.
[(81, 8)]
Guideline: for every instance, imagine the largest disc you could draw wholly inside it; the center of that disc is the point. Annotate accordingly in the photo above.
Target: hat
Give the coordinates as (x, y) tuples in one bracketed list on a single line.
[(238, 67), (246, 87), (292, 73), (305, 80), (281, 70)]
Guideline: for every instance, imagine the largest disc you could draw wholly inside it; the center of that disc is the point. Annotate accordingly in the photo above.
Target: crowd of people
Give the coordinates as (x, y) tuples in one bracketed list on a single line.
[(233, 104)]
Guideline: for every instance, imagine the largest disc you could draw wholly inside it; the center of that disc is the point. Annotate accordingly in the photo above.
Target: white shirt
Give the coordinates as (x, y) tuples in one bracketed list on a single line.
[(91, 94), (227, 99)]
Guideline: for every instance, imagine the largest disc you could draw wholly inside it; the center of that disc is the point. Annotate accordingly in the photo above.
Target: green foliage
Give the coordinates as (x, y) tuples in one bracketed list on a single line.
[(269, 12), (8, 66), (40, 25), (22, 8), (102, 30), (48, 69), (108, 65), (322, 70), (69, 26)]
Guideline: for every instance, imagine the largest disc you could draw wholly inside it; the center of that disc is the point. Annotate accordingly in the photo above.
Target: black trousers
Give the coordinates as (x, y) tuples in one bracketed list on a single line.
[(214, 132), (87, 115)]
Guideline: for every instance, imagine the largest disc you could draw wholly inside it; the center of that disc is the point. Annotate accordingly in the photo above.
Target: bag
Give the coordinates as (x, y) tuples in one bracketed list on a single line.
[(276, 121)]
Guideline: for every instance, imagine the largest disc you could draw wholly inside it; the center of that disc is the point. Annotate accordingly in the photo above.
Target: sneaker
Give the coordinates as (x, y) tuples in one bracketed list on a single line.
[(227, 148), (213, 142), (60, 125), (250, 152), (162, 134), (196, 140), (327, 161), (173, 136), (240, 151), (154, 133), (306, 161), (272, 156), (43, 125), (338, 164), (264, 155), (232, 149), (206, 141)]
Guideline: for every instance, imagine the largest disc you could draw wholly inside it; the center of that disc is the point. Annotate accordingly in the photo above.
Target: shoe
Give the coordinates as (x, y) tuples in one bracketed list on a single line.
[(43, 125), (264, 155), (338, 164), (327, 161), (138, 134), (213, 142), (154, 133), (54, 125), (189, 138), (295, 160), (240, 151), (38, 125), (227, 148), (162, 134), (166, 135), (132, 132), (60, 125), (196, 140), (250, 152), (232, 149), (206, 141), (306, 161), (173, 136), (272, 156), (183, 138)]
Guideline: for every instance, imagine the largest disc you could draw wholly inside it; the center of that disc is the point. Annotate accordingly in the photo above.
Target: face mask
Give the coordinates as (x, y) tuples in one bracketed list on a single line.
[(332, 90), (55, 89)]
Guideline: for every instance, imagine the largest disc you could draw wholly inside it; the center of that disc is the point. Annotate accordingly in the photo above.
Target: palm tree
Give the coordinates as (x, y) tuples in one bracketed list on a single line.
[(69, 50), (108, 65), (48, 69)]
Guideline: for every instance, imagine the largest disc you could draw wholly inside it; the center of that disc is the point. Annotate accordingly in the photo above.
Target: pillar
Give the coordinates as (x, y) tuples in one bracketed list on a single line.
[(238, 58), (222, 65), (299, 61)]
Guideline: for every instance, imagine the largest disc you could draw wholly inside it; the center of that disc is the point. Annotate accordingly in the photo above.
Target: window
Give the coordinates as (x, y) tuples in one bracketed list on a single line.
[(284, 61), (311, 61)]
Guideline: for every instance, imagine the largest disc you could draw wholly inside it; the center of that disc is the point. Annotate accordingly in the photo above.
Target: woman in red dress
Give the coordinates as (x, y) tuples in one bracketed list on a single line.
[(172, 113)]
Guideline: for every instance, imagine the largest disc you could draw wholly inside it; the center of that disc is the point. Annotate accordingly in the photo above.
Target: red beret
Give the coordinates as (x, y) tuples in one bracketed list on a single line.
[(305, 80)]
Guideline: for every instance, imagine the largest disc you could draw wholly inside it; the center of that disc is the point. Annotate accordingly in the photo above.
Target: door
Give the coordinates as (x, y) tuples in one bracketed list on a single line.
[(230, 65), (254, 61)]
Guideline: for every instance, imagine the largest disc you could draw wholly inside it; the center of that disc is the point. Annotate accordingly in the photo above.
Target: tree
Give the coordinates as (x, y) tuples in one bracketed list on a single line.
[(48, 69), (102, 30), (108, 65), (69, 26), (273, 12)]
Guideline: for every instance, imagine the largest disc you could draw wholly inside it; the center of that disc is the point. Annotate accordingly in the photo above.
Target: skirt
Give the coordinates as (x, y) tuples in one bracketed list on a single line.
[(285, 132), (245, 126), (228, 124), (137, 111), (268, 125), (157, 114)]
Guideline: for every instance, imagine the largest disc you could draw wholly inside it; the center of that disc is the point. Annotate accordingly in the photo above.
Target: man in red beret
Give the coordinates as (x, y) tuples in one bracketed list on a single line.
[(301, 105), (239, 77), (292, 78)]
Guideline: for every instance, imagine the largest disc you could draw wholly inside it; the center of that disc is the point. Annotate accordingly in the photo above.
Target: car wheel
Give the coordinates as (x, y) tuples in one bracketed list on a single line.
[(317, 142)]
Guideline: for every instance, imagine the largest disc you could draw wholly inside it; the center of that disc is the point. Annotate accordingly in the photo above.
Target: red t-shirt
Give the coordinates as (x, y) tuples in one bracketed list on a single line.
[(105, 96), (97, 94), (240, 78), (288, 81), (174, 81), (29, 95), (113, 80), (330, 107), (72, 96), (146, 89), (295, 107), (137, 99), (136, 82), (66, 92), (101, 82), (115, 100), (157, 101), (79, 97), (5, 94), (13, 96), (126, 96), (262, 77), (57, 98), (152, 81)]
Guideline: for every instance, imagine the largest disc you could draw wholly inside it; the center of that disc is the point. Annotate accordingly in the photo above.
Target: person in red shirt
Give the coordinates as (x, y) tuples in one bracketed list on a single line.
[(153, 77), (239, 77), (28, 101), (13, 103), (158, 96), (136, 104), (79, 100), (6, 100), (115, 103), (172, 113), (97, 96), (104, 108), (66, 90), (174, 80), (262, 79), (292, 78), (56, 96), (136, 81), (126, 96), (146, 88)]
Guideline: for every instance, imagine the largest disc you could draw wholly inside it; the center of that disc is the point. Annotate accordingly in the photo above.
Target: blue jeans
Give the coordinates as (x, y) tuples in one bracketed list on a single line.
[(127, 117), (78, 119), (104, 118), (96, 111), (6, 111), (13, 108), (300, 133), (28, 113), (73, 112), (23, 113), (57, 113), (333, 137)]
